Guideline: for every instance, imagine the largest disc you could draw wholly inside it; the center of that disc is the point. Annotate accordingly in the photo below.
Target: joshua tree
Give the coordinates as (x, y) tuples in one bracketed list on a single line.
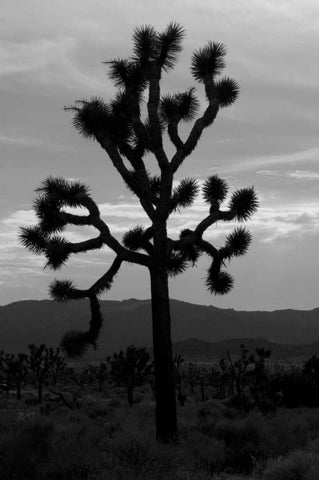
[(101, 374), (15, 369), (42, 361), (58, 365), (19, 371), (130, 369), (126, 137)]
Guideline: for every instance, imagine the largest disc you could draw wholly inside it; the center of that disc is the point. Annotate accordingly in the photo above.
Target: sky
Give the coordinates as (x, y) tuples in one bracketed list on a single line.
[(51, 54)]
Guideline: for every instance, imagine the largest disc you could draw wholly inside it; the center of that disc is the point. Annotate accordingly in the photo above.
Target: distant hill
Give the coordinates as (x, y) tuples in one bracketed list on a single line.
[(129, 322)]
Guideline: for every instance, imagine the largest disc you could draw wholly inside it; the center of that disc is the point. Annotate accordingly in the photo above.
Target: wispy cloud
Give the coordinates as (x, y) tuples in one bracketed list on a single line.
[(254, 162), (295, 174), (50, 61), (17, 139)]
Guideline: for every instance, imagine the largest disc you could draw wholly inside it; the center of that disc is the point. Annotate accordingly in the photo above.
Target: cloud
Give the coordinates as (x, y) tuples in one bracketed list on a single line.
[(253, 162), (303, 174), (295, 174), (16, 139), (49, 61)]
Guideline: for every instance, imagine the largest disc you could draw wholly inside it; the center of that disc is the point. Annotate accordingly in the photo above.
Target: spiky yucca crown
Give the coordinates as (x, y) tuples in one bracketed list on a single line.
[(153, 52)]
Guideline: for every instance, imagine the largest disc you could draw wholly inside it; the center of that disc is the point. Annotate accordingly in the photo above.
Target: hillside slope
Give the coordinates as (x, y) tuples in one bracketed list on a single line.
[(129, 321)]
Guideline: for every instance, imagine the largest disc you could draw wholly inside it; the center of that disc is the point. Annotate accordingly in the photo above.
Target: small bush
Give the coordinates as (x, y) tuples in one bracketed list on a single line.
[(246, 440), (298, 465)]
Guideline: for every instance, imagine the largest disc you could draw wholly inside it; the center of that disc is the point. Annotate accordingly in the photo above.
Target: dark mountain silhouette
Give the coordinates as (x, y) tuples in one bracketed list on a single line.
[(129, 322)]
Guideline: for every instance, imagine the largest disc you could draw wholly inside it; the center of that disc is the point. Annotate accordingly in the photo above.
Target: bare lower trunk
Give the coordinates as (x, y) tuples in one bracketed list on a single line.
[(166, 421)]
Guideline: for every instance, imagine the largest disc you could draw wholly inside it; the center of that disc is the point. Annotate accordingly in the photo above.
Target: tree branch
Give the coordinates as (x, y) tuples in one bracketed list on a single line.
[(152, 108), (198, 127), (172, 130), (127, 176)]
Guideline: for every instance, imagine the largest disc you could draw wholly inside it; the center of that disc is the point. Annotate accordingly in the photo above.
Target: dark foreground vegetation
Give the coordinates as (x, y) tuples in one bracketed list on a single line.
[(243, 418)]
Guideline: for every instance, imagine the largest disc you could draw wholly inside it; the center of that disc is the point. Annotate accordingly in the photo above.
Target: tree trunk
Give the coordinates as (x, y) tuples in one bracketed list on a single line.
[(166, 421)]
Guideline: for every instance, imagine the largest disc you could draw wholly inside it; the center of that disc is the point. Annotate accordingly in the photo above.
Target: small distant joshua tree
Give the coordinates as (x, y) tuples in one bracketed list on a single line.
[(127, 138), (15, 370), (129, 369), (45, 363)]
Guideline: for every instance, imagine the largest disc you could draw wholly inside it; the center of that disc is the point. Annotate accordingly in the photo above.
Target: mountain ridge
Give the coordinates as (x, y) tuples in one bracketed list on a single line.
[(129, 322)]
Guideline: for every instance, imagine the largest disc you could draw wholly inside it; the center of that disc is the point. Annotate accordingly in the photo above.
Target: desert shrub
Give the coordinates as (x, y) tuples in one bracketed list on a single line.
[(146, 409), (77, 451), (135, 455), (298, 465), (24, 448), (143, 458), (241, 402), (115, 402), (95, 407), (203, 454), (292, 429), (246, 440)]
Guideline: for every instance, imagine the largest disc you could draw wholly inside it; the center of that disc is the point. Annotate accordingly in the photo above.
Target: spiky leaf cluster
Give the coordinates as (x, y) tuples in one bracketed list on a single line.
[(190, 252), (218, 283), (57, 252), (47, 209), (227, 91), (63, 290), (34, 239), (145, 47), (244, 202), (134, 239), (160, 49), (237, 242), (92, 117), (176, 264), (95, 119), (208, 61), (184, 194), (214, 189), (181, 106), (66, 192), (74, 344)]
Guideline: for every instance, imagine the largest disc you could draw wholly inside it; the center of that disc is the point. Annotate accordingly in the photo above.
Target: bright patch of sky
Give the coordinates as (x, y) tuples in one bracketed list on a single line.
[(51, 54)]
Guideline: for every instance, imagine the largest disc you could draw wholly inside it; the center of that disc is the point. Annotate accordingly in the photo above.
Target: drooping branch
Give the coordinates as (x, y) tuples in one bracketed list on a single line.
[(75, 343), (64, 290)]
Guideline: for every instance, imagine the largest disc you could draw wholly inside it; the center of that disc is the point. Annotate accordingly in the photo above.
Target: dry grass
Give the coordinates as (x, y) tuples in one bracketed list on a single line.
[(102, 438)]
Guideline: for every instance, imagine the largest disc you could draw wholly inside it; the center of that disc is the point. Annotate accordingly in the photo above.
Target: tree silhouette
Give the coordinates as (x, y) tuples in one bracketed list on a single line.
[(129, 369), (127, 137), (15, 369), (44, 362)]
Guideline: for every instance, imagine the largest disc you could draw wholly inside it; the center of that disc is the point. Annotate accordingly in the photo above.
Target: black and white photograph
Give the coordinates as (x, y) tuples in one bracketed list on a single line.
[(159, 240)]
